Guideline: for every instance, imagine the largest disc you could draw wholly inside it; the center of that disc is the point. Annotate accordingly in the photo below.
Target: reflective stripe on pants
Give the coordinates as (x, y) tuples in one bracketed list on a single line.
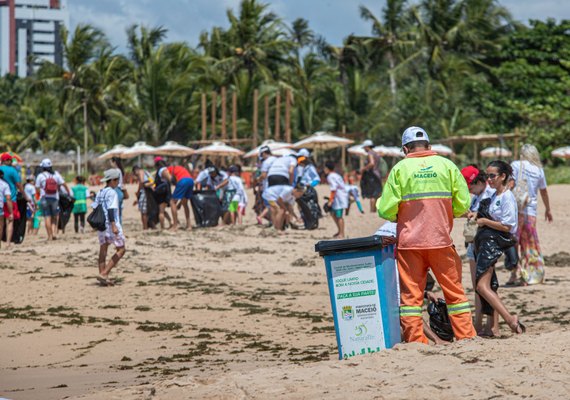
[(446, 266)]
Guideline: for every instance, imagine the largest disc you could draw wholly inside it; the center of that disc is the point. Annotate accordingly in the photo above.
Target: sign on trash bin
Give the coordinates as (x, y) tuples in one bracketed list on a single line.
[(363, 287)]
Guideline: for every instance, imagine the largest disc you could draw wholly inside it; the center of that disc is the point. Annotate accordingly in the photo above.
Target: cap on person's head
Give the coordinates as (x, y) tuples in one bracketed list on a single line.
[(469, 173), (367, 143), (414, 134), (6, 157), (264, 149), (233, 169), (46, 163), (110, 174), (157, 159), (304, 153), (212, 170)]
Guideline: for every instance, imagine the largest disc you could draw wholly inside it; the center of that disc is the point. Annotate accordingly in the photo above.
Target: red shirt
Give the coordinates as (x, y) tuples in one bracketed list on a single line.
[(179, 172)]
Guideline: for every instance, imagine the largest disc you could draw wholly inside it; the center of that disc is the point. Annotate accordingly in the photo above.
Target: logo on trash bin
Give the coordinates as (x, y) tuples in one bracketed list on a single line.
[(347, 313), (360, 330)]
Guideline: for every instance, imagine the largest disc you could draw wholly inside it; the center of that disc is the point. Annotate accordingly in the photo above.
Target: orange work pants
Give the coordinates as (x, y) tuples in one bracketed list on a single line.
[(446, 266)]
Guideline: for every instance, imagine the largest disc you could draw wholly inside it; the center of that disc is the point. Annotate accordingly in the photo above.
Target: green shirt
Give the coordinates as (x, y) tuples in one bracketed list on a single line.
[(80, 195)]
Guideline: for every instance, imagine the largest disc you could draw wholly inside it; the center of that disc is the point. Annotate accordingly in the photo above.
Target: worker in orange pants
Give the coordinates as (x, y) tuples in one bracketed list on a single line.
[(446, 266), (423, 193)]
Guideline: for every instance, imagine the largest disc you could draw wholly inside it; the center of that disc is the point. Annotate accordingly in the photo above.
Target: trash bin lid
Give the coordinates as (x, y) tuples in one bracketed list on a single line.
[(326, 247)]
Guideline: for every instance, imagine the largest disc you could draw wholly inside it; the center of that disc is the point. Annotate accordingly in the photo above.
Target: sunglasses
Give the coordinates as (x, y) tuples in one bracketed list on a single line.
[(492, 176)]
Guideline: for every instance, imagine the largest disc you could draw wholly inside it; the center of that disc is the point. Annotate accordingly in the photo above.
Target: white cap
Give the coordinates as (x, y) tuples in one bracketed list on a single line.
[(46, 163), (303, 153), (414, 134), (110, 174), (368, 143)]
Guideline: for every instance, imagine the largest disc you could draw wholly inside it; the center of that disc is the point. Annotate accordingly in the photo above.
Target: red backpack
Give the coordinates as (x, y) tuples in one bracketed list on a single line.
[(51, 185)]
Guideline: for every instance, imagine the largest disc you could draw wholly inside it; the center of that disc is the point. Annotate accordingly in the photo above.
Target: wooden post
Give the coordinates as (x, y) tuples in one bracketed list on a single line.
[(224, 98), (277, 115), (214, 106), (266, 125), (255, 116), (343, 162), (234, 116), (288, 116), (204, 117), (516, 145)]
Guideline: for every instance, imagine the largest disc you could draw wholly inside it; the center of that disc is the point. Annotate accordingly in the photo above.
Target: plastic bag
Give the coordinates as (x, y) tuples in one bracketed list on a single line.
[(439, 320), (207, 208), (97, 218)]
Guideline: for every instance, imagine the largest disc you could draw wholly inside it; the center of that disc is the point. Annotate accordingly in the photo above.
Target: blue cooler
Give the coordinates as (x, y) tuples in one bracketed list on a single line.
[(364, 289)]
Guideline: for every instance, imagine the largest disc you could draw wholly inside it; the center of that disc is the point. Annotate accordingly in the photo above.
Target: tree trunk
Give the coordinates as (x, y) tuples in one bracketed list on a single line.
[(255, 116), (234, 116), (393, 84), (266, 125), (204, 117), (288, 116), (224, 98), (214, 101), (277, 116)]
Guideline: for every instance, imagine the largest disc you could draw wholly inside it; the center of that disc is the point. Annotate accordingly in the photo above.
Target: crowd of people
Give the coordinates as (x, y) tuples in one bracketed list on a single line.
[(423, 193)]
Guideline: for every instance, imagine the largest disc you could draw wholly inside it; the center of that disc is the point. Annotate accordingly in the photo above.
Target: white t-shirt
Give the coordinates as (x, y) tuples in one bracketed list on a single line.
[(281, 166), (503, 208), (308, 174), (336, 184), (110, 200), (235, 183), (476, 200), (4, 191), (202, 176), (265, 165), (30, 191), (213, 182), (535, 179), (41, 184)]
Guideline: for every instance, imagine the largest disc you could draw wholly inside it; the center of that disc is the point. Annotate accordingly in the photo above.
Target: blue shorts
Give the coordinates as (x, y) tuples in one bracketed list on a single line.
[(49, 206), (470, 252), (184, 189)]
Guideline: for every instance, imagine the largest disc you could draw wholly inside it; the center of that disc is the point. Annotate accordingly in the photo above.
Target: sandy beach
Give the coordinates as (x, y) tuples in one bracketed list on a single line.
[(242, 312)]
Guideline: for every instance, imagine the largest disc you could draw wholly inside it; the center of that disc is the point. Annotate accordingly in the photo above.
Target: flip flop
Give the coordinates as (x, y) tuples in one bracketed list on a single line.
[(522, 328), (105, 282)]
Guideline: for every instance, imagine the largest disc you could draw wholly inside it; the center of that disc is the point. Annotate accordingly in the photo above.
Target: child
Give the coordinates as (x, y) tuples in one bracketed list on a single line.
[(113, 234), (80, 193), (30, 191), (353, 195), (338, 199), (235, 185), (5, 199)]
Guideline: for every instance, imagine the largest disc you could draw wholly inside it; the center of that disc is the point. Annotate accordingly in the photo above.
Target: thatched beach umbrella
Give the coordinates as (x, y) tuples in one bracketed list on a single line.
[(491, 152), (277, 148), (138, 149), (116, 151), (442, 150), (174, 149), (219, 149), (562, 152)]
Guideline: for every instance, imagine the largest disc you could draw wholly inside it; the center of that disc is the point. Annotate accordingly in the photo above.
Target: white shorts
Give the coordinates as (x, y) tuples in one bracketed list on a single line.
[(109, 238), (274, 193)]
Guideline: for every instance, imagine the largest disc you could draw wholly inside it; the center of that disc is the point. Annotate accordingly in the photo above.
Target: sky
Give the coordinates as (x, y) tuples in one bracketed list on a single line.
[(186, 19)]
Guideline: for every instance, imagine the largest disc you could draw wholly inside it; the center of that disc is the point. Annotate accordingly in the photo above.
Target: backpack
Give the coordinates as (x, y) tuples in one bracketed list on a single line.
[(521, 191), (51, 186), (97, 217)]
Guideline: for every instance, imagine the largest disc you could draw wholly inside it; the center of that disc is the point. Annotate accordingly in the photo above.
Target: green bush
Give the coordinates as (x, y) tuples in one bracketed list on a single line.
[(557, 175)]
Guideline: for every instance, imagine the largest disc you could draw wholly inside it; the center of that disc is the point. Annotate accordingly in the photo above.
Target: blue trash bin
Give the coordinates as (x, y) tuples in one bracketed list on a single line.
[(363, 286)]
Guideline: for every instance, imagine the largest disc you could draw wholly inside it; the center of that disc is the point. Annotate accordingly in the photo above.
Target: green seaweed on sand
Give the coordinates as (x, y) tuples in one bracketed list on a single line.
[(142, 308), (149, 326)]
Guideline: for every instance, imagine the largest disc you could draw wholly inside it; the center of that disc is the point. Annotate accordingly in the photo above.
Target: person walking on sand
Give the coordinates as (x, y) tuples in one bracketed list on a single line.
[(423, 193), (5, 204), (497, 220), (529, 169), (235, 186), (371, 181), (163, 193), (121, 189), (338, 198), (80, 194), (113, 233), (144, 190), (49, 183), (13, 179)]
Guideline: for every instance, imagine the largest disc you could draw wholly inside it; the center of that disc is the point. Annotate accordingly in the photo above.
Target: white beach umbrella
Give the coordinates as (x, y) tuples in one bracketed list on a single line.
[(283, 152), (322, 141), (357, 150), (393, 151), (442, 150), (382, 150), (273, 146), (219, 149), (562, 152), (174, 149), (491, 152), (116, 151), (138, 149)]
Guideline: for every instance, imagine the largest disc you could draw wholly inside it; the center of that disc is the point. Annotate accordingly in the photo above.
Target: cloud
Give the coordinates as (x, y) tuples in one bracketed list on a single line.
[(186, 19)]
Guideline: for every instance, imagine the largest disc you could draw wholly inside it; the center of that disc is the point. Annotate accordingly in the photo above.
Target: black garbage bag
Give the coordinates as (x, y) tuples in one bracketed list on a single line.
[(65, 209), (96, 218), (310, 210), (207, 208), (19, 224), (370, 185), (439, 320), (151, 208)]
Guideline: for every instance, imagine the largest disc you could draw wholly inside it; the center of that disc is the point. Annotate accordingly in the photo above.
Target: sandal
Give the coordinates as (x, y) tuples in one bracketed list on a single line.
[(520, 328)]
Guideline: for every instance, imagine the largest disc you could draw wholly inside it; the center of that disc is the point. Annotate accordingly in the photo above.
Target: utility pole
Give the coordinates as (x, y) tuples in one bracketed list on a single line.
[(214, 114)]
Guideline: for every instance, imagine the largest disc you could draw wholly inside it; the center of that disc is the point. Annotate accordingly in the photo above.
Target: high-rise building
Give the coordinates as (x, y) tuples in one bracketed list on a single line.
[(30, 33)]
